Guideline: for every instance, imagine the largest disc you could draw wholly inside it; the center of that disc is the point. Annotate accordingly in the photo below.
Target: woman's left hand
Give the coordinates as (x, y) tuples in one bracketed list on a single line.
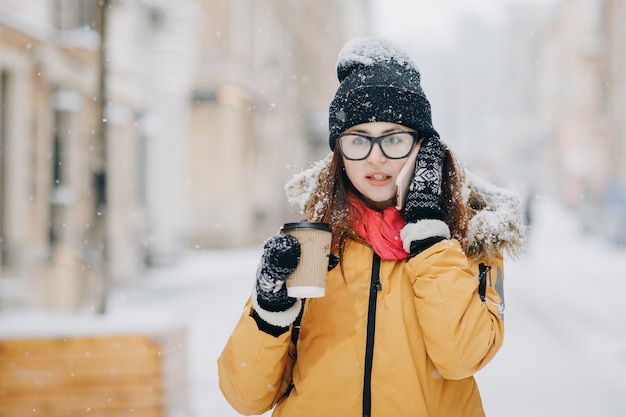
[(424, 196), (423, 211)]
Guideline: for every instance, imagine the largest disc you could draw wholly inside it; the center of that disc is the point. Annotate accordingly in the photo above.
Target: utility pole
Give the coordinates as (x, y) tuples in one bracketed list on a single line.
[(101, 184)]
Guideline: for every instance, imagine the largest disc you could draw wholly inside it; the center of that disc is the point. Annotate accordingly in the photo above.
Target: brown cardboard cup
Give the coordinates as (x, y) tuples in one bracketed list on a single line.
[(309, 278)]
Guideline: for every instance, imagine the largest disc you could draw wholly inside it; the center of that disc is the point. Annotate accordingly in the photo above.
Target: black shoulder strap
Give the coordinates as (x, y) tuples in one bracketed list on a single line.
[(295, 332)]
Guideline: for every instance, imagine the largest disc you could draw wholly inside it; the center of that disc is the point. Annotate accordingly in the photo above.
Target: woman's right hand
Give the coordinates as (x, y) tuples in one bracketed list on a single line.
[(281, 255)]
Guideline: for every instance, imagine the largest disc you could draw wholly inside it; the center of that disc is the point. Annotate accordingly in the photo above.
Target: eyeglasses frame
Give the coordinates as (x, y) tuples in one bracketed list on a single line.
[(378, 140)]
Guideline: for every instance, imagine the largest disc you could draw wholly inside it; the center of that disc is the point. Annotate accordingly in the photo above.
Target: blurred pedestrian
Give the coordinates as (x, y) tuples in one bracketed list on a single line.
[(614, 203), (529, 212), (414, 302)]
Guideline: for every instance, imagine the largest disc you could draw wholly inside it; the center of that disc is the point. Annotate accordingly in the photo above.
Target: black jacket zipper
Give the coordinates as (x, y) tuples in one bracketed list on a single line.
[(375, 286)]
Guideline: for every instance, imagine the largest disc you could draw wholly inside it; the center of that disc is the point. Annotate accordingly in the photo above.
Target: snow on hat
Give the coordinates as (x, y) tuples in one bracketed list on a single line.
[(378, 83)]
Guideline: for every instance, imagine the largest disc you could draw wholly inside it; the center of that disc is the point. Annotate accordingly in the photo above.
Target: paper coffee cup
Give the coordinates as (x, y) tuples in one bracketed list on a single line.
[(309, 278)]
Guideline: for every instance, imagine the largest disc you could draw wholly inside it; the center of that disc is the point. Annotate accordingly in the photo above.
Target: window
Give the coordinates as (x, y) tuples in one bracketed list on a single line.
[(76, 14), (59, 176)]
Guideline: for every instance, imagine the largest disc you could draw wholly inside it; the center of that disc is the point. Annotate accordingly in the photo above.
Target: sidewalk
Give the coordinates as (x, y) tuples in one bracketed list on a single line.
[(565, 344), (207, 292)]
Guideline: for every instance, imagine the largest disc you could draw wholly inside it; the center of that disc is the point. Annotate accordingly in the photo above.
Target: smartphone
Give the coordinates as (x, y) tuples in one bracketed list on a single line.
[(404, 178)]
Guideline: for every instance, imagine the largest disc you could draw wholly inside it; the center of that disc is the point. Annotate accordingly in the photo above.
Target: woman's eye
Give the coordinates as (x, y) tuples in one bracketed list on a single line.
[(393, 140), (359, 141)]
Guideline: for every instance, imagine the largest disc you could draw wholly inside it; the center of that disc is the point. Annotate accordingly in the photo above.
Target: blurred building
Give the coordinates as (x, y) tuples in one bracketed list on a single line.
[(179, 130), (48, 137), (612, 80), (265, 77), (568, 64), (588, 47)]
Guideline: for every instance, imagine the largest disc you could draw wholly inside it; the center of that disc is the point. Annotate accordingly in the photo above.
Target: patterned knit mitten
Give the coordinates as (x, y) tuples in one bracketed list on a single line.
[(423, 211), (281, 254)]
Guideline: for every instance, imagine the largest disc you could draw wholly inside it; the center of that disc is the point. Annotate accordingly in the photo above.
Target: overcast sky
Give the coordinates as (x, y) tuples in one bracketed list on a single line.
[(435, 21)]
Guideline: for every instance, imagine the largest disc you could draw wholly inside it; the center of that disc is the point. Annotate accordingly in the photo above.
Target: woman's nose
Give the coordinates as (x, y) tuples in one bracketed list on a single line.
[(376, 155)]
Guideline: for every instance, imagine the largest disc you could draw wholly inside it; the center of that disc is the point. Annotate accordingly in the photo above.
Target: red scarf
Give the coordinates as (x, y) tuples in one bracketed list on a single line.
[(380, 229)]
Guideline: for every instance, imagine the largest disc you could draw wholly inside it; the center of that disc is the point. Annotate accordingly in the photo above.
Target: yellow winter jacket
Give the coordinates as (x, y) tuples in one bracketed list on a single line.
[(390, 338)]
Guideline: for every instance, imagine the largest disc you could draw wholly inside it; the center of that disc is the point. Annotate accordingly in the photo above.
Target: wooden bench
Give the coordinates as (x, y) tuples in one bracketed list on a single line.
[(139, 375)]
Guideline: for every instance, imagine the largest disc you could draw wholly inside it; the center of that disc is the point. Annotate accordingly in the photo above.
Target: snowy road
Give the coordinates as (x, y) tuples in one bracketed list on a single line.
[(565, 344)]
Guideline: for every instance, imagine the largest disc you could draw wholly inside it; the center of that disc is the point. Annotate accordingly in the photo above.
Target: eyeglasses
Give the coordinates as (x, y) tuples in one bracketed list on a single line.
[(394, 145)]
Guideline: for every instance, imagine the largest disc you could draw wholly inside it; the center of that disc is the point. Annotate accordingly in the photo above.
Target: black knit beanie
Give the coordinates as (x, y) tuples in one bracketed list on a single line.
[(378, 83)]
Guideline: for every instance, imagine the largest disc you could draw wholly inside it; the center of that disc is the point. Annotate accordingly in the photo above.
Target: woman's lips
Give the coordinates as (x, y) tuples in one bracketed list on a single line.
[(378, 178)]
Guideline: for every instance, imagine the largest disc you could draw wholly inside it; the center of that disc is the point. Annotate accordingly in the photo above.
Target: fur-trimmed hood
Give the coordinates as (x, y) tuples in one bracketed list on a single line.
[(495, 226)]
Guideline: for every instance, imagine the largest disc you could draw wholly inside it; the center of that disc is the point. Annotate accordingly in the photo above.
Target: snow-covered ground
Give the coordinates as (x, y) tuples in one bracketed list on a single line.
[(565, 344)]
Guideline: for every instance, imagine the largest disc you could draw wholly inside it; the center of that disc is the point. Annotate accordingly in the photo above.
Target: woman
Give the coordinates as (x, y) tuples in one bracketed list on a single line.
[(413, 304)]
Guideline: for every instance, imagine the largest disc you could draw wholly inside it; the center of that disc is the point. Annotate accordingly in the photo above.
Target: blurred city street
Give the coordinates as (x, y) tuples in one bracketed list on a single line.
[(565, 345), (564, 351), (145, 145)]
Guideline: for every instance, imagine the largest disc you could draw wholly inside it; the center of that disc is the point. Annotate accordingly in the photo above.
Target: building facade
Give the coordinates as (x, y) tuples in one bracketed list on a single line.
[(48, 124), (567, 98), (83, 179), (264, 81), (131, 130), (583, 54)]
